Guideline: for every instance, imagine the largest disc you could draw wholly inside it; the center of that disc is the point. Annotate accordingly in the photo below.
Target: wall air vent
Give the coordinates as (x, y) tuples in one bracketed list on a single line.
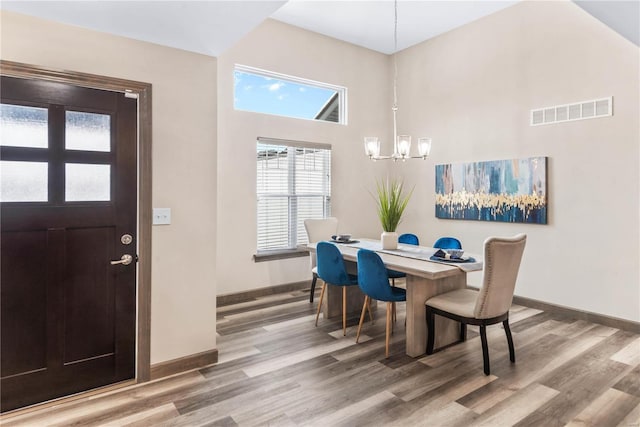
[(592, 109)]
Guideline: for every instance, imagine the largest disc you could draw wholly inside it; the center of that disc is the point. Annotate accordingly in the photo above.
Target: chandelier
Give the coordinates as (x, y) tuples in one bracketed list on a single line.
[(401, 143)]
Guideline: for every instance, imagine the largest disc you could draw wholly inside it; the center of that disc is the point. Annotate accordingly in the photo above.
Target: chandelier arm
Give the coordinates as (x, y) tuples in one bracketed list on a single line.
[(397, 158)]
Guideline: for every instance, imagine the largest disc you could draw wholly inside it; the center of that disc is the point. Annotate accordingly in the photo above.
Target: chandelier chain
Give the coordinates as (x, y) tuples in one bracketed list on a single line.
[(394, 108), (395, 61)]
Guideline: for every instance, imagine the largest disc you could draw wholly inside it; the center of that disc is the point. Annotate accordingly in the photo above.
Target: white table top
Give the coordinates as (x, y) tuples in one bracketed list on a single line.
[(412, 266)]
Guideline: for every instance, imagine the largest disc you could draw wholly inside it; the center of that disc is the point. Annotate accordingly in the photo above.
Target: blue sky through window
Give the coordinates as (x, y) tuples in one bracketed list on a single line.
[(257, 93)]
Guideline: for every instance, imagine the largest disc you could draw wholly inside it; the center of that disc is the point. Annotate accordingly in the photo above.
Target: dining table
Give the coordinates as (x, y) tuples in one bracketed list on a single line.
[(426, 277)]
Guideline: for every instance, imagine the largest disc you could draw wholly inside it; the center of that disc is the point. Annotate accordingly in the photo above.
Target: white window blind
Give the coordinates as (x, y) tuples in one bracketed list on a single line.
[(293, 184)]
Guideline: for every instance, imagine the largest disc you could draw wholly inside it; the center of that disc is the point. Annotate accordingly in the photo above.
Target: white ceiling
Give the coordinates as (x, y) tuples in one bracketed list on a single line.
[(207, 27), (622, 16), (370, 23), (211, 27)]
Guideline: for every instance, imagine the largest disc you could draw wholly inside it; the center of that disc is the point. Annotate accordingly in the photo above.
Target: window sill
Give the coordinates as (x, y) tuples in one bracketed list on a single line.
[(282, 254)]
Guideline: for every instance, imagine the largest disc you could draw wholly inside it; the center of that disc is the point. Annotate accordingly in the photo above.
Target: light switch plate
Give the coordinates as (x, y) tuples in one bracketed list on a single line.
[(161, 216)]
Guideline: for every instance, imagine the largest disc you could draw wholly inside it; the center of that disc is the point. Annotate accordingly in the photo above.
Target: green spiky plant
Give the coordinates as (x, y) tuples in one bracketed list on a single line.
[(391, 203)]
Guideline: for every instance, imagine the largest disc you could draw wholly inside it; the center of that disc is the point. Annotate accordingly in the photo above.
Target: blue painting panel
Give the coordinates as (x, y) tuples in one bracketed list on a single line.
[(500, 190)]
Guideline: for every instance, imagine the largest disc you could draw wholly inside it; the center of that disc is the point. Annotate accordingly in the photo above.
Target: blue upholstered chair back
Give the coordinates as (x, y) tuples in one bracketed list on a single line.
[(447, 243), (373, 279), (409, 239), (331, 266)]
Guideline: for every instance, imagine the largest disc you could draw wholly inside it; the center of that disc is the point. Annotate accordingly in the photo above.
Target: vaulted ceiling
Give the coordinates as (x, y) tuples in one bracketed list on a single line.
[(211, 27)]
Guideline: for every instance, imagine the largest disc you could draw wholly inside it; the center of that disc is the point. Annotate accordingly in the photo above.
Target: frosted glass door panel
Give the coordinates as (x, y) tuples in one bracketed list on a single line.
[(24, 181), (87, 131), (85, 183), (22, 126)]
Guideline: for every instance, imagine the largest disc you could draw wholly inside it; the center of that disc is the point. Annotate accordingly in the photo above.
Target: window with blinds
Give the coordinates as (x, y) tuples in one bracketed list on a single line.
[(293, 184)]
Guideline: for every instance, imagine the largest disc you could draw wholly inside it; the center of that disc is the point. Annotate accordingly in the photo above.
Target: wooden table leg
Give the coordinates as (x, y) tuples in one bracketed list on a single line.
[(419, 290)]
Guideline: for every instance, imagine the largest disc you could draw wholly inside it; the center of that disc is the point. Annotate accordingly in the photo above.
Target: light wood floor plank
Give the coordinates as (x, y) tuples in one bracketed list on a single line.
[(265, 311), (630, 383), (630, 354), (152, 416), (342, 416), (632, 419), (260, 302), (451, 414), (302, 320), (516, 407), (610, 407), (273, 365)]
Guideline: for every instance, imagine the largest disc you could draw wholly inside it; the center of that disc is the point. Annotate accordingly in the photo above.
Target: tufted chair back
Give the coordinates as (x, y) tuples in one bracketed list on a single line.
[(502, 256)]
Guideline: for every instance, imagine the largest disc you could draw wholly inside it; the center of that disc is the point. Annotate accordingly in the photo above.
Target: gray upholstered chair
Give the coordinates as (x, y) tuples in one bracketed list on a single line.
[(318, 230), (491, 303)]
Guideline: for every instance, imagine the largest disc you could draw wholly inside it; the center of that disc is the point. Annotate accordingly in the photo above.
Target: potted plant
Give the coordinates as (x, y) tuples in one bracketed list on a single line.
[(391, 203)]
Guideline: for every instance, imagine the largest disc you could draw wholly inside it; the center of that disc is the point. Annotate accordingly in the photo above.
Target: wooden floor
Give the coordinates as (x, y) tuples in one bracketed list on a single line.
[(277, 369)]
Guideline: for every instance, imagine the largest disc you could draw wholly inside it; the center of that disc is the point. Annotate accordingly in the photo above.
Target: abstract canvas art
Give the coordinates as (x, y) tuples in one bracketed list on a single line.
[(500, 190)]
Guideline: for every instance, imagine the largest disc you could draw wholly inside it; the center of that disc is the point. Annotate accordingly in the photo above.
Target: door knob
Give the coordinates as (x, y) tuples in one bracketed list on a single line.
[(126, 259)]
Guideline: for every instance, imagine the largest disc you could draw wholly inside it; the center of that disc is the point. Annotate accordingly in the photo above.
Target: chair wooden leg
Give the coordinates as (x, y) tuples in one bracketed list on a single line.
[(485, 349), (364, 309), (430, 330), (512, 351), (386, 352), (463, 331), (368, 301), (395, 314), (344, 311), (393, 317), (320, 302), (313, 286)]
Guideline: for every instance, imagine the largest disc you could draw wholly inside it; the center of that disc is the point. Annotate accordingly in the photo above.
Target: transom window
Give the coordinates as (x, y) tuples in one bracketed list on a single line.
[(267, 92), (293, 184)]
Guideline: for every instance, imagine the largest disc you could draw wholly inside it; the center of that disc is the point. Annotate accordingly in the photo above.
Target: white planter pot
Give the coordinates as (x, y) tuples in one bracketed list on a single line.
[(389, 240)]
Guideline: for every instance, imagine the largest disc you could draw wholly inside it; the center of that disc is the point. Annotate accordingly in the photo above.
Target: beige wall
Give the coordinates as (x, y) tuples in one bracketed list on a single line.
[(184, 163), (289, 50), (472, 89)]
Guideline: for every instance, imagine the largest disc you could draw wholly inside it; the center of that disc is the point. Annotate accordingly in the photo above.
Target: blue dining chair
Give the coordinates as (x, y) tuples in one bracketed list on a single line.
[(407, 239), (447, 243), (374, 282), (332, 271)]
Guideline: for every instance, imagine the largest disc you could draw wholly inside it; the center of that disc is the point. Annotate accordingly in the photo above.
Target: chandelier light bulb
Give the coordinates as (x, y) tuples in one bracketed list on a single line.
[(372, 146), (424, 147), (404, 145)]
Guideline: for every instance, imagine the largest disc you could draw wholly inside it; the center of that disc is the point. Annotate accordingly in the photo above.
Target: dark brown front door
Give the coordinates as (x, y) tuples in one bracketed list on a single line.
[(68, 195)]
